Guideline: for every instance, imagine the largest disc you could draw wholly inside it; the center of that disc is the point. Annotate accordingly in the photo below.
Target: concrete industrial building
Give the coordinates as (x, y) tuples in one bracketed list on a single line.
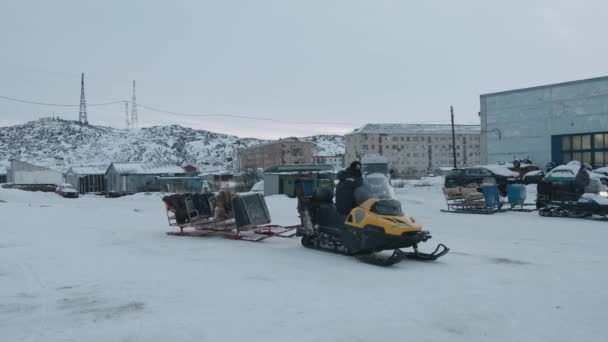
[(551, 123), (415, 150), (281, 152), (22, 173)]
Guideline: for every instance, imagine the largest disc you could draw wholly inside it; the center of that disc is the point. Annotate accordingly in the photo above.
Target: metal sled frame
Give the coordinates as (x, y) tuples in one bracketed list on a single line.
[(204, 225), (564, 208), (463, 206), (522, 207)]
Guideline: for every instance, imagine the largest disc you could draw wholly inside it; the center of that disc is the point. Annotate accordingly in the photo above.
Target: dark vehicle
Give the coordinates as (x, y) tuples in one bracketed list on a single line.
[(67, 191), (477, 176), (533, 177)]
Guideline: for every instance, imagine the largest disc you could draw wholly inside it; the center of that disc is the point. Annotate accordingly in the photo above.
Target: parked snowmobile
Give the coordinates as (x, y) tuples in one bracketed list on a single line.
[(560, 199), (375, 225)]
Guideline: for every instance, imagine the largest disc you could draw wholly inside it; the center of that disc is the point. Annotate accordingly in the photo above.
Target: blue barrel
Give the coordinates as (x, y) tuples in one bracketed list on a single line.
[(308, 186), (516, 193), (491, 196)]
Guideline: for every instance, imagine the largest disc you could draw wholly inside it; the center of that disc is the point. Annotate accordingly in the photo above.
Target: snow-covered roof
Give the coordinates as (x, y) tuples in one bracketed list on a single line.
[(602, 170), (502, 170), (533, 173), (299, 168), (280, 141), (573, 168), (89, 169), (148, 168), (418, 129)]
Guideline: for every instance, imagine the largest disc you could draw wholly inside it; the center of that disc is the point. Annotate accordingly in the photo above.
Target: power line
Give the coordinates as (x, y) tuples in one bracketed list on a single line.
[(205, 115), (244, 117), (59, 105)]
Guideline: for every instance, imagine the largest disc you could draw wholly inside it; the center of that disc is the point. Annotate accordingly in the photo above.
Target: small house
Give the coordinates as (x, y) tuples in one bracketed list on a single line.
[(2, 174), (239, 182), (190, 168), (140, 177), (281, 179), (181, 184), (87, 179)]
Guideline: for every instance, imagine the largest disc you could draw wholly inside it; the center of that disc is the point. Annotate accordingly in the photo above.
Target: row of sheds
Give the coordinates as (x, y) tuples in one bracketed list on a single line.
[(116, 177)]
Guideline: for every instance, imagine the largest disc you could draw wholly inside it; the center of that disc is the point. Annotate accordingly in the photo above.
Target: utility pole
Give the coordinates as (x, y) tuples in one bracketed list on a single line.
[(82, 116), (127, 121), (453, 137), (134, 120)]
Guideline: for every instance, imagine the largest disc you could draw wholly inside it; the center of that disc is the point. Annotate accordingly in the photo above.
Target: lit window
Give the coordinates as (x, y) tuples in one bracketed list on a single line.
[(599, 159), (576, 142), (586, 157), (599, 141), (586, 142)]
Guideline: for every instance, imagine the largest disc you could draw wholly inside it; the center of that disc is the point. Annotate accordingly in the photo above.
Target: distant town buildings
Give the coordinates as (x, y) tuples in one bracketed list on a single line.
[(281, 152), (415, 150), (337, 162)]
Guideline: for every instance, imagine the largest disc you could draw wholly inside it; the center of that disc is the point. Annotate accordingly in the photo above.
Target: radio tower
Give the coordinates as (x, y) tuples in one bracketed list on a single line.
[(134, 122), (82, 117), (127, 121)]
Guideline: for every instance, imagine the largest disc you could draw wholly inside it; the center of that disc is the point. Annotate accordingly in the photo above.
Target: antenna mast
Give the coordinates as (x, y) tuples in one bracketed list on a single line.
[(82, 117), (134, 120), (127, 121)]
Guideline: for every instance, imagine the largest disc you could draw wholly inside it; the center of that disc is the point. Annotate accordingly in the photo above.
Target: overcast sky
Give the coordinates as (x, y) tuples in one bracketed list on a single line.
[(346, 62)]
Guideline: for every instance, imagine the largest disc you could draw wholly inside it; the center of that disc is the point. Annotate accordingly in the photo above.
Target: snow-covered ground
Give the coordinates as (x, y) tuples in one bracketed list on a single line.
[(97, 269)]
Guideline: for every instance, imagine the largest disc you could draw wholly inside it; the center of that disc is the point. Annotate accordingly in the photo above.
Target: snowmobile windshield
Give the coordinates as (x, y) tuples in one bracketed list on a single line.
[(387, 207), (375, 168), (375, 185)]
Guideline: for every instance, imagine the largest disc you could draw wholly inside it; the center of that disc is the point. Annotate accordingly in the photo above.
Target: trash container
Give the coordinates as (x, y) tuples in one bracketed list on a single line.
[(491, 196), (516, 193)]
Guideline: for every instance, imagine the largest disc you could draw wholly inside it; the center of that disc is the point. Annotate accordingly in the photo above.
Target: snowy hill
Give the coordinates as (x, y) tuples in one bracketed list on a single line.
[(327, 145), (61, 144)]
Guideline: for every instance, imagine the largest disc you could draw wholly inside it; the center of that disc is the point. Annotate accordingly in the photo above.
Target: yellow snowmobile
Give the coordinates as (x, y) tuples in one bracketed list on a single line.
[(375, 225)]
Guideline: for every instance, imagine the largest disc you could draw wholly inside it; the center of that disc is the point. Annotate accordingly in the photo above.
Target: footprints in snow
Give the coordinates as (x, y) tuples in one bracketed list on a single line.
[(97, 308), (84, 304), (90, 306)]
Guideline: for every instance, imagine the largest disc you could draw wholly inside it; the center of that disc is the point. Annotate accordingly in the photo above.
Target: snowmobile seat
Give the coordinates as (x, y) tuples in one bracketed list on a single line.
[(325, 213), (323, 195), (329, 216), (564, 191)]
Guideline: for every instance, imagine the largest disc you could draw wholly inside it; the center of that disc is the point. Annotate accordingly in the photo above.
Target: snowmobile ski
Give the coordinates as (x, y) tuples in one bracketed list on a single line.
[(440, 251)]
